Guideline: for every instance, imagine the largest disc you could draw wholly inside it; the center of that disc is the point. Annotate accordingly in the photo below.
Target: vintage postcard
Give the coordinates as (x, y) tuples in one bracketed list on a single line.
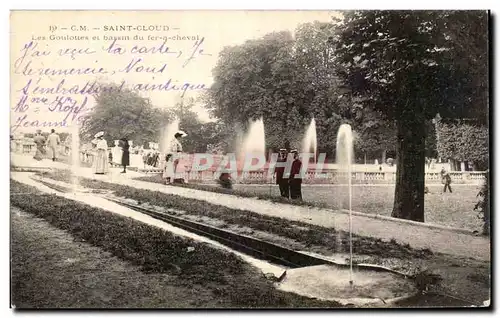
[(249, 159)]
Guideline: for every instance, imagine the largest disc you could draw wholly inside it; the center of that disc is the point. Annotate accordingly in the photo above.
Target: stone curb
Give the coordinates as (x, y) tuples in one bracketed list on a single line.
[(414, 223)]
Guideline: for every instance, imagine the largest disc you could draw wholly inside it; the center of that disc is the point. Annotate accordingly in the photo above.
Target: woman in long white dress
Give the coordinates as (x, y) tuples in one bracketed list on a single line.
[(172, 164), (101, 161)]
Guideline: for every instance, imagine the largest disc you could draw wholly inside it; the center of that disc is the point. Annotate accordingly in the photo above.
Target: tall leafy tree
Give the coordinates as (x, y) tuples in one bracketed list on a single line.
[(124, 113), (283, 79), (463, 141), (412, 65), (200, 135)]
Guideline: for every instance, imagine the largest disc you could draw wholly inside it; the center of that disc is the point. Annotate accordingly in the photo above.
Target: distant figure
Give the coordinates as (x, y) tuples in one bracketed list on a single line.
[(446, 179), (225, 180), (39, 141), (125, 154), (380, 168), (110, 158), (281, 181), (53, 143), (101, 161), (295, 180), (390, 161)]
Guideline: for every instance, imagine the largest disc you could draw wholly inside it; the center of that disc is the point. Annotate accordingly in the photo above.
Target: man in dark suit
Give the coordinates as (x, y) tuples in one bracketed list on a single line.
[(281, 181), (295, 180)]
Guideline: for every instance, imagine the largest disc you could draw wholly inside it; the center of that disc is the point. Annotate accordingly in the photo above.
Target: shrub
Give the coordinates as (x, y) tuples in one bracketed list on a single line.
[(483, 206)]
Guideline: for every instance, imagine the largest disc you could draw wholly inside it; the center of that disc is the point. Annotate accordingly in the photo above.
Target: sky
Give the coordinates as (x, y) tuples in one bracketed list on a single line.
[(46, 42)]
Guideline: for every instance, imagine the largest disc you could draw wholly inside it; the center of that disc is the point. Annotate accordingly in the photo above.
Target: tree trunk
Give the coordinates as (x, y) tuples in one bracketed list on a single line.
[(410, 173), (384, 156)]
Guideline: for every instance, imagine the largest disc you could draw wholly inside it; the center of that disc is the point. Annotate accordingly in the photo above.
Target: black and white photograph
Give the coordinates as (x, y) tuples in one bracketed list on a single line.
[(250, 159)]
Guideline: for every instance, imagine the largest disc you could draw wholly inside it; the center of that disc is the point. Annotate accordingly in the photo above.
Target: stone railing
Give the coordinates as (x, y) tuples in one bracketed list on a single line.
[(333, 177), (311, 177)]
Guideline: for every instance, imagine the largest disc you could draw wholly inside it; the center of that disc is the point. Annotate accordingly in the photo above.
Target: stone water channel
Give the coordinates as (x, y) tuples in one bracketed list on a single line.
[(323, 279)]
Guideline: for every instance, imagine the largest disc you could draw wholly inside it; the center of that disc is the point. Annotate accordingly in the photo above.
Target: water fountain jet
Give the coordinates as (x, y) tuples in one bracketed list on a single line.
[(254, 143), (345, 154), (168, 134), (310, 141)]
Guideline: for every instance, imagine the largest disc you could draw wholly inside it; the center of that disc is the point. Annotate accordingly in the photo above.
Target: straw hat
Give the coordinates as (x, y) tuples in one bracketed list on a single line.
[(99, 134)]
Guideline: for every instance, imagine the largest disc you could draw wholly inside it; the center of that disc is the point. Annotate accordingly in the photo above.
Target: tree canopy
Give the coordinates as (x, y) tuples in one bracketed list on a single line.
[(124, 114), (283, 79), (411, 66), (463, 141)]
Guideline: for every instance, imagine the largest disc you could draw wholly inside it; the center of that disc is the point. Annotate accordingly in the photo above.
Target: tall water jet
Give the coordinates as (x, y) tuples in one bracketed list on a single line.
[(254, 141), (168, 134), (310, 141), (345, 155), (75, 155), (253, 145)]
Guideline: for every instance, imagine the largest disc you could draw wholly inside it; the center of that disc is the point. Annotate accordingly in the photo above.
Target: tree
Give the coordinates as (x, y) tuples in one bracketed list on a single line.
[(463, 142), (124, 113), (200, 135), (412, 65), (282, 79), (375, 134)]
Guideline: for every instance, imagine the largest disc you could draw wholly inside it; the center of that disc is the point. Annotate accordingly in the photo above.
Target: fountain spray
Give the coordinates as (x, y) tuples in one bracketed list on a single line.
[(345, 154), (310, 141)]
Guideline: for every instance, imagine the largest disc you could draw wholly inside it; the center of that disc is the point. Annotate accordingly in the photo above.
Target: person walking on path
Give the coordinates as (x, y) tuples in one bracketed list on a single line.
[(101, 160), (53, 142), (281, 181), (295, 180), (446, 179), (39, 141), (125, 154)]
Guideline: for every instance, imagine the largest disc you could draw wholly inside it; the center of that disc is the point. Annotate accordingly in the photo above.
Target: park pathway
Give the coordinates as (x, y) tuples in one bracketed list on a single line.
[(417, 236)]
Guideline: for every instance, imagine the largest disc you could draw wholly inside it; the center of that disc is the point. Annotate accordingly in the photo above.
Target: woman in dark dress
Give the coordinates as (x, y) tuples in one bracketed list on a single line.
[(125, 154)]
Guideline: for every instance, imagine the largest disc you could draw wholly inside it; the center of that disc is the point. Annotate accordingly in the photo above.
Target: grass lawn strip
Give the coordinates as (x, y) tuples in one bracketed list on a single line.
[(157, 251), (336, 241), (449, 209), (52, 270)]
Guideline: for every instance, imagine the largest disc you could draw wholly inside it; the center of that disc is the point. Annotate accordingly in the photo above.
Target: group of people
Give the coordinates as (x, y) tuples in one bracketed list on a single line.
[(51, 143), (290, 185), (102, 160)]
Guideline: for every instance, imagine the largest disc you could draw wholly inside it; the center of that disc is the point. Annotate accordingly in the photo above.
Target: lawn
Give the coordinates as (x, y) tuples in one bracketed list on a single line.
[(463, 277), (50, 269), (229, 280), (450, 209)]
